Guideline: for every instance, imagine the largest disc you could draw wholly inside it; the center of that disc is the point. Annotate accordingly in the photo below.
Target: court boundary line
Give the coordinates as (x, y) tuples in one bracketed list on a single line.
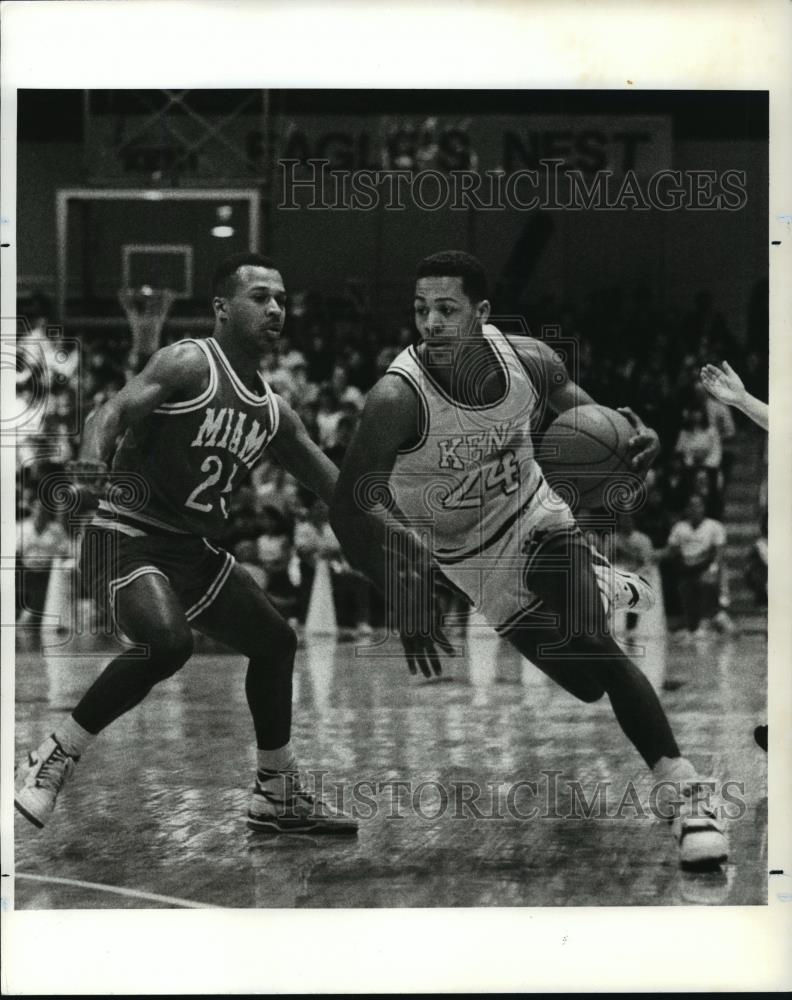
[(118, 891)]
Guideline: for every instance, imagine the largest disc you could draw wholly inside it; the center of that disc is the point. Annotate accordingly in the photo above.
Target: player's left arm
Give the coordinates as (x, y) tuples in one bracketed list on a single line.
[(300, 456), (548, 372)]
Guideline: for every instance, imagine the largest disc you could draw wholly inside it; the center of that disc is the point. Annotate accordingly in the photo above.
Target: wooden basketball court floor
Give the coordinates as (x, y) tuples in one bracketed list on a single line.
[(154, 816)]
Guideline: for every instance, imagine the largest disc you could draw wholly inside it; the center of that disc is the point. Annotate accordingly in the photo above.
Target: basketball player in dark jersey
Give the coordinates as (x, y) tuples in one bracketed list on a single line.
[(444, 440), (192, 425)]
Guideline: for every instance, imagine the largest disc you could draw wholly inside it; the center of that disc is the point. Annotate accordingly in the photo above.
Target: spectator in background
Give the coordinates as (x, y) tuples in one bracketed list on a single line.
[(327, 415), (274, 486), (704, 324), (345, 431), (699, 446), (313, 540), (41, 538), (701, 484), (360, 370), (304, 392), (321, 355), (698, 443), (720, 417), (246, 554), (277, 376), (675, 484), (344, 392), (274, 549), (655, 520), (695, 549), (244, 519)]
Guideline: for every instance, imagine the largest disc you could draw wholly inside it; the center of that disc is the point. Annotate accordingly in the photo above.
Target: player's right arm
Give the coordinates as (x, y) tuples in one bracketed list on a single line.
[(548, 372), (175, 372), (374, 543), (357, 513)]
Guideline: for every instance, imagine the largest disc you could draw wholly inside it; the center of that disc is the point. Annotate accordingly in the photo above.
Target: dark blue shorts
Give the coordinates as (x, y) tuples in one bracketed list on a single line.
[(111, 559)]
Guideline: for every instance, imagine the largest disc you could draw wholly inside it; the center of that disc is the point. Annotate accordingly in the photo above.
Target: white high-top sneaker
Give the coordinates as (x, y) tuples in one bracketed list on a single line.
[(620, 589), (281, 804), (697, 822), (40, 780)]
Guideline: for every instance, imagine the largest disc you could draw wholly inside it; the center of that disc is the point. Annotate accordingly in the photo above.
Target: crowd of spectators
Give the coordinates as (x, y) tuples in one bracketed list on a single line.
[(628, 351)]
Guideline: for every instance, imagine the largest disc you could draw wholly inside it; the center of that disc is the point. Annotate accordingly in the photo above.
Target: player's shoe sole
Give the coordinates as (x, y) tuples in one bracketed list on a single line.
[(28, 815), (281, 804), (301, 824)]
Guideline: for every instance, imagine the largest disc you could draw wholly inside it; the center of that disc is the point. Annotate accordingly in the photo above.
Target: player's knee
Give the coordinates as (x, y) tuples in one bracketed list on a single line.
[(284, 645), (276, 647), (170, 648), (590, 691)]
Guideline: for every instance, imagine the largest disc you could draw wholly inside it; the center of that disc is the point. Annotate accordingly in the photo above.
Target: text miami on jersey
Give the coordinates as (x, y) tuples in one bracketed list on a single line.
[(190, 455)]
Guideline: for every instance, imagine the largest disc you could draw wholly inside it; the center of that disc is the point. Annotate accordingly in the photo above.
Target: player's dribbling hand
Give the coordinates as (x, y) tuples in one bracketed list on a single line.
[(421, 610), (422, 653), (644, 444)]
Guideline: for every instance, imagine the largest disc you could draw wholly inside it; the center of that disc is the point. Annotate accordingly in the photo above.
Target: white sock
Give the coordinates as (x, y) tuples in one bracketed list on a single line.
[(281, 759), (674, 769), (72, 737)]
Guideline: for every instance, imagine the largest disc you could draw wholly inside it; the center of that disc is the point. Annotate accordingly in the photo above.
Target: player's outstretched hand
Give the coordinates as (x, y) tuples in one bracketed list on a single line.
[(89, 478), (723, 383), (644, 444)]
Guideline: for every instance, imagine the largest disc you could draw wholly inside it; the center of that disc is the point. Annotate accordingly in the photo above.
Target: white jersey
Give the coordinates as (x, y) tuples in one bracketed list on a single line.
[(473, 472)]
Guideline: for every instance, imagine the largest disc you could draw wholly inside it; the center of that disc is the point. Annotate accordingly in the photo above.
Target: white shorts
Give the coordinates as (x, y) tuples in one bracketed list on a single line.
[(495, 579)]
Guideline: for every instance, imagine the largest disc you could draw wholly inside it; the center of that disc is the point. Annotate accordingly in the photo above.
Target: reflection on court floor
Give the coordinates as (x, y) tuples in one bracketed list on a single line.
[(470, 793)]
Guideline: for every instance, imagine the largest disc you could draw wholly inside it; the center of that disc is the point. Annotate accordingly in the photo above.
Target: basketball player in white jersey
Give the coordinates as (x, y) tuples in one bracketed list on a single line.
[(191, 426), (444, 450)]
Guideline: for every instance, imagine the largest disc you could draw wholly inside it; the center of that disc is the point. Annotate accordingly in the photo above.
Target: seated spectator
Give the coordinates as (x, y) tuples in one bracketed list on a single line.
[(277, 376), (675, 485), (346, 393), (720, 417), (327, 415), (274, 486), (274, 550), (698, 443), (246, 554), (304, 392), (653, 519), (41, 538), (244, 519), (313, 540), (345, 431), (701, 483), (695, 548)]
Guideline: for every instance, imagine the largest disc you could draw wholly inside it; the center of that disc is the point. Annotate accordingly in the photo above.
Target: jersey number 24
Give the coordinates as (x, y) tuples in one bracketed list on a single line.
[(504, 473)]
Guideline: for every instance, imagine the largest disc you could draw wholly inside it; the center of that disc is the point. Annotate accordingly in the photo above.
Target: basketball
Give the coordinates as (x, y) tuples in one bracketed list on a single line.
[(584, 453)]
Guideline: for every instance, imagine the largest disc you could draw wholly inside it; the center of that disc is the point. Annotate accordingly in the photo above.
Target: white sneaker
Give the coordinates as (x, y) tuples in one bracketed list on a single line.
[(620, 589), (281, 804), (696, 824), (42, 778)]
